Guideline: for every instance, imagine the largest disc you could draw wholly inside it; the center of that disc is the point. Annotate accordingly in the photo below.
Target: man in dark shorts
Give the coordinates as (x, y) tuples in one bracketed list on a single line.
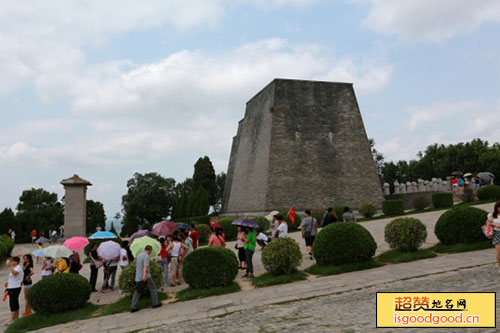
[(309, 229)]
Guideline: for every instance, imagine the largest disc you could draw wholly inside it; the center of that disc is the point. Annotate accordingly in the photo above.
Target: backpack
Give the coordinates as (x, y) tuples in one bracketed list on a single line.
[(74, 263)]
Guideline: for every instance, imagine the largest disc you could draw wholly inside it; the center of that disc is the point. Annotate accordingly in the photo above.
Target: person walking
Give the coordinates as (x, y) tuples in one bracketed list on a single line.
[(13, 286), (95, 264), (309, 227), (110, 267), (240, 246), (33, 236), (494, 221), (348, 215), (175, 262), (250, 243), (217, 239), (282, 230), (28, 272), (164, 260), (124, 255), (12, 234), (53, 236), (143, 278), (329, 218)]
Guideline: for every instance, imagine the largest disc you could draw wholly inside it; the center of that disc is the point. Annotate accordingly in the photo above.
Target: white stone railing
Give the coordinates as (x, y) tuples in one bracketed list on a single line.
[(434, 185)]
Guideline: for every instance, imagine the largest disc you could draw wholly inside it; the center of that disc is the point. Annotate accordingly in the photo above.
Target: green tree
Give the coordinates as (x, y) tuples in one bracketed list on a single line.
[(95, 216), (8, 220), (440, 161), (204, 177), (40, 210), (378, 158), (220, 181), (149, 199)]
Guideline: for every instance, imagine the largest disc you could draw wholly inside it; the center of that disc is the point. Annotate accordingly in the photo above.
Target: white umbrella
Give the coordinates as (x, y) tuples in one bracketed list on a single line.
[(109, 250), (57, 251)]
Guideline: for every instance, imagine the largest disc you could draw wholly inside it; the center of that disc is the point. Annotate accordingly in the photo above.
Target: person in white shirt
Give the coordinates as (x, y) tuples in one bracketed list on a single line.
[(262, 238), (47, 268), (282, 230), (123, 257), (14, 286), (494, 221)]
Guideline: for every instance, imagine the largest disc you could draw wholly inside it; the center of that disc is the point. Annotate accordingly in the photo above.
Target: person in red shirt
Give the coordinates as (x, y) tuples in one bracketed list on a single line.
[(164, 258), (194, 236), (33, 236)]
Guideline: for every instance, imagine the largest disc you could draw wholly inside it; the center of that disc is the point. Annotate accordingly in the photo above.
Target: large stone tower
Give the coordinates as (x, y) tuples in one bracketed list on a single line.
[(301, 143), (75, 206)]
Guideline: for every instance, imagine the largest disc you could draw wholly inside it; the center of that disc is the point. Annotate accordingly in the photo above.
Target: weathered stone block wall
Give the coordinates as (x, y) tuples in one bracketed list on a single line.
[(318, 152), (246, 186)]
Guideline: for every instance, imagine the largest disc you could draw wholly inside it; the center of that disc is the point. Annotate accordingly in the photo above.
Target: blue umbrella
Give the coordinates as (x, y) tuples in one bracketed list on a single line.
[(38, 253), (184, 226), (246, 223), (102, 235)]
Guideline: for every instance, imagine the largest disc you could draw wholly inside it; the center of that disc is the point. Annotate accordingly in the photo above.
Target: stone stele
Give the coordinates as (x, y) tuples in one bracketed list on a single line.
[(75, 206), (303, 144)]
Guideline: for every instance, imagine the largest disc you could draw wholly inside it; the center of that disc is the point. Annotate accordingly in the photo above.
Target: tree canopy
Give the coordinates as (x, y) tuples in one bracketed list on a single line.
[(95, 216), (204, 177), (149, 199), (439, 161), (40, 210)]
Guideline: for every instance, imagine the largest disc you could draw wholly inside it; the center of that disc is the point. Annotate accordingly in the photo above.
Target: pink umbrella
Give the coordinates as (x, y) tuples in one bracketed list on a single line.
[(164, 228), (76, 243), (109, 250)]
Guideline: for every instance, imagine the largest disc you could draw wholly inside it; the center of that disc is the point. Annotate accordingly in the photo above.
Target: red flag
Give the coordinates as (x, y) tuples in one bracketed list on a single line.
[(291, 214)]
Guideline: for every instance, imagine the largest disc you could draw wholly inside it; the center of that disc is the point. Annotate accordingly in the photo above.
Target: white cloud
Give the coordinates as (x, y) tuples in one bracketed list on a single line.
[(430, 20), (443, 122)]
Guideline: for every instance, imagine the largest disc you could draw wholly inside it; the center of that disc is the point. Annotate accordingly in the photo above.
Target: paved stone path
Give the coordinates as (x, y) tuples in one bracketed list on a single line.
[(352, 311), (215, 314)]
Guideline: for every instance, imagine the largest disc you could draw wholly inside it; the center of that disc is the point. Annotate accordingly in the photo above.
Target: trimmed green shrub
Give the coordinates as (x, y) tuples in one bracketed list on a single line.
[(442, 200), (318, 214), (421, 202), (393, 207), (405, 234), (461, 225), (263, 223), (199, 219), (343, 243), (59, 293), (469, 195), (126, 280), (204, 233), (291, 227), (367, 210), (281, 256), (489, 192), (230, 230), (8, 243), (210, 267)]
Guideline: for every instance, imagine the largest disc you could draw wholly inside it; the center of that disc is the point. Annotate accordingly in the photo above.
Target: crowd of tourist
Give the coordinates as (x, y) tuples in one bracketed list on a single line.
[(174, 248)]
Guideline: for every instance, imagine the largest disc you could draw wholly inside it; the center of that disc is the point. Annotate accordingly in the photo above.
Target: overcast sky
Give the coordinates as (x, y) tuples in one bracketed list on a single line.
[(108, 88)]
